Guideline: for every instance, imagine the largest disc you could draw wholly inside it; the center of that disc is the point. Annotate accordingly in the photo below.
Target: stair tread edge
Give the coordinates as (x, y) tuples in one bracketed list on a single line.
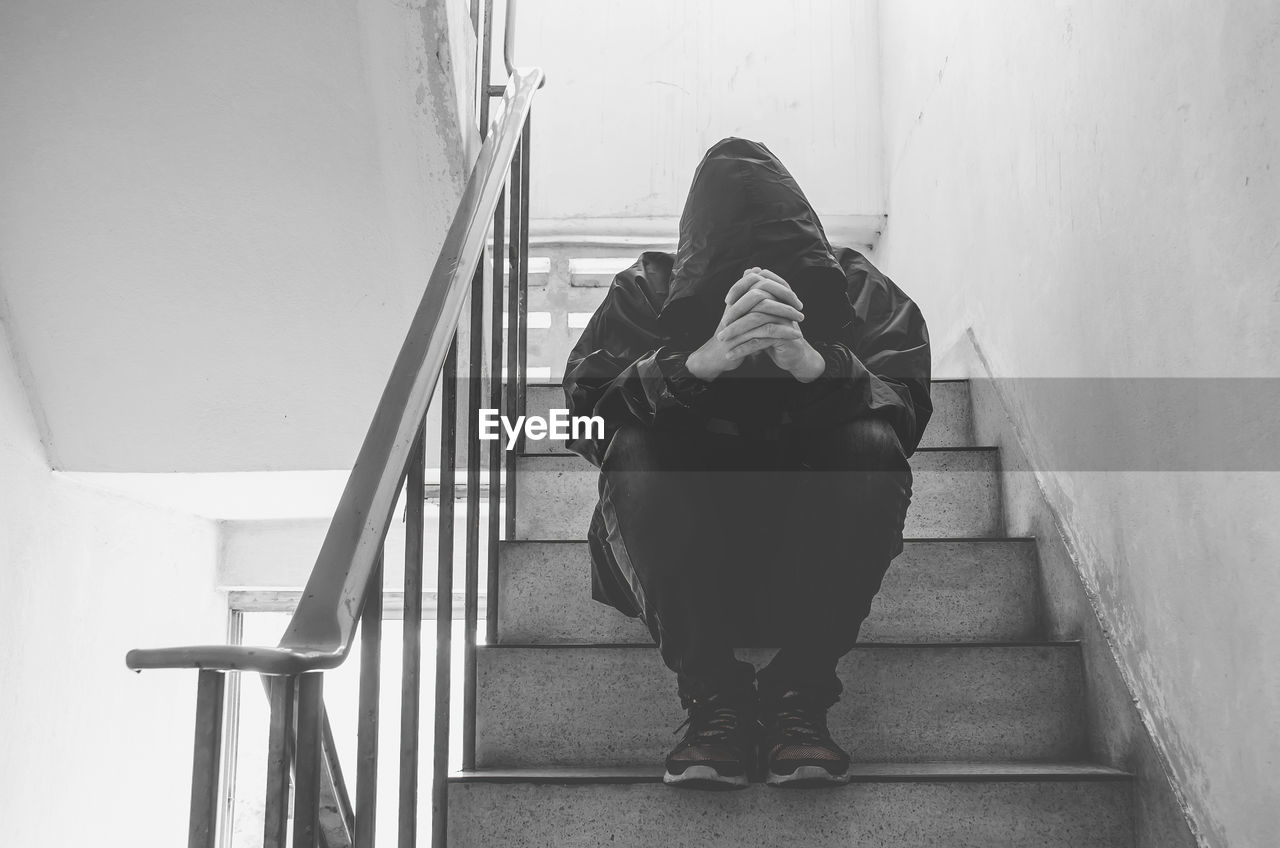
[(976, 772)]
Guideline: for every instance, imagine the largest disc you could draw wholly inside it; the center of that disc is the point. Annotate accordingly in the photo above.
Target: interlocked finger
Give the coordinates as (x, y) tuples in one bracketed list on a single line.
[(774, 285), (771, 308), (749, 347), (769, 334), (765, 272), (748, 322), (749, 301)]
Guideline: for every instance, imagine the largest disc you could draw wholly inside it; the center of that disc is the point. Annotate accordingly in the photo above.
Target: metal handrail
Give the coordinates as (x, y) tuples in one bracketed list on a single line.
[(509, 42), (320, 633), (345, 590), (509, 39)]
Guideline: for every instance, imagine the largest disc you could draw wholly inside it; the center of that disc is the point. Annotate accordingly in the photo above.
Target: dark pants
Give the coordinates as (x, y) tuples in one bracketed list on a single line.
[(731, 541)]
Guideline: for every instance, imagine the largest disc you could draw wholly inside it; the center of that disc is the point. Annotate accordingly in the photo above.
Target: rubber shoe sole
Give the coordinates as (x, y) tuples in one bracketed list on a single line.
[(805, 777), (704, 777)]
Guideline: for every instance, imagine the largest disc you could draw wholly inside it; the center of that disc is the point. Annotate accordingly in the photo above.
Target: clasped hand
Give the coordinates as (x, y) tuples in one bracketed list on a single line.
[(762, 314)]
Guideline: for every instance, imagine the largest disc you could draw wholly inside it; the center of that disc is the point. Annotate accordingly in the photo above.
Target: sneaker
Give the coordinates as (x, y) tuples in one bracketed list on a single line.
[(795, 745), (717, 750)]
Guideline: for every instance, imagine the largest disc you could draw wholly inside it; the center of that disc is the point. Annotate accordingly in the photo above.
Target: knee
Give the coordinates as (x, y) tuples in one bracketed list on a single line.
[(627, 444), (877, 481), (637, 448), (867, 444), (643, 481)]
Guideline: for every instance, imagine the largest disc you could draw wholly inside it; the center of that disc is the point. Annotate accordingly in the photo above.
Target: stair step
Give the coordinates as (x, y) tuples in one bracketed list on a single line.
[(951, 425), (958, 805), (616, 705), (956, 493), (984, 772), (968, 590)]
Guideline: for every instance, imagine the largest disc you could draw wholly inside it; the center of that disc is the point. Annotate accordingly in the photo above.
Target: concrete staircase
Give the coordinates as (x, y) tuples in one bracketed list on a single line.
[(968, 729)]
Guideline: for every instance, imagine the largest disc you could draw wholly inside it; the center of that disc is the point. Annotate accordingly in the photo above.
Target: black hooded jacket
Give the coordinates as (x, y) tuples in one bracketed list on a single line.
[(743, 210)]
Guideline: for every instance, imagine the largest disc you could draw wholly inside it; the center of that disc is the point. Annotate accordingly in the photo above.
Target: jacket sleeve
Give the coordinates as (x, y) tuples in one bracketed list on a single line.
[(879, 368), (621, 371)]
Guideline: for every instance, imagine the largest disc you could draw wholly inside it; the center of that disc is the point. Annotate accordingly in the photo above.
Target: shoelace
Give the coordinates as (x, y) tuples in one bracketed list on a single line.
[(712, 723), (800, 721)]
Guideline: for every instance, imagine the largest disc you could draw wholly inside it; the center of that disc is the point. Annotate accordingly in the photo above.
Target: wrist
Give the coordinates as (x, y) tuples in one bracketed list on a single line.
[(697, 365), (683, 385), (811, 366)]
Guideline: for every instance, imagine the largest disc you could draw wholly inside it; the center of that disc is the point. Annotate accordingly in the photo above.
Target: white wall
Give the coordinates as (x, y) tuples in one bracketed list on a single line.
[(637, 91), (1092, 188), (217, 218), (92, 753)]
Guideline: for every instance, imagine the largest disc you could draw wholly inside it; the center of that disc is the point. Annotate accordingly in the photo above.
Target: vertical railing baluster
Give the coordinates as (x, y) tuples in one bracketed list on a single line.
[(306, 801), (231, 734), (280, 693), (475, 363), (515, 330), (411, 670), (367, 720), (471, 599), (486, 52), (337, 817), (522, 378), (206, 759), (444, 593), (495, 402)]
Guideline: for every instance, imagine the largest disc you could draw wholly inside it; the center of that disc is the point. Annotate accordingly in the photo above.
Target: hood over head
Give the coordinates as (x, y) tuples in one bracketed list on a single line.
[(744, 209)]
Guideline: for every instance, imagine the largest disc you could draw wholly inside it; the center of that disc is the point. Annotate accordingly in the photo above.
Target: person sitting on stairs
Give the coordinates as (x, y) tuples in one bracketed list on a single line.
[(761, 393)]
